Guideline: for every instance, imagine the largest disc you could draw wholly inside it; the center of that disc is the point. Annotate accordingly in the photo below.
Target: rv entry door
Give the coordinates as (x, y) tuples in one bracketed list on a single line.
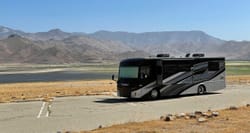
[(159, 72)]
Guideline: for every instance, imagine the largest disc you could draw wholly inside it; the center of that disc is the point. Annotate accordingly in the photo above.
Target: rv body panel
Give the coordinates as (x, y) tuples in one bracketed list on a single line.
[(177, 76)]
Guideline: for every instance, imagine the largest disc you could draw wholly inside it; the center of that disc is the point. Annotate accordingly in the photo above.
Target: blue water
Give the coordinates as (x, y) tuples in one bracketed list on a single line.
[(52, 76)]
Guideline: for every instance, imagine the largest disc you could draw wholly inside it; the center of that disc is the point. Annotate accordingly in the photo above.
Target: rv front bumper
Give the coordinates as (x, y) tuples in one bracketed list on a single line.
[(126, 92), (123, 92)]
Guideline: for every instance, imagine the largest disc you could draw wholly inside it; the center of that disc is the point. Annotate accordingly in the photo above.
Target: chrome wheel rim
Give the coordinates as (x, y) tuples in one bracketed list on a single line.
[(200, 89), (154, 94)]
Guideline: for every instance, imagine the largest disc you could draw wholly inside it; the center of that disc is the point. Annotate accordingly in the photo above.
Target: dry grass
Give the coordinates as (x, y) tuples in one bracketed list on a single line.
[(229, 121), (30, 91), (238, 79)]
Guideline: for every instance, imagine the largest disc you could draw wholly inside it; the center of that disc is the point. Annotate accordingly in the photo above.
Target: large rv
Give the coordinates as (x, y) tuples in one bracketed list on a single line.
[(161, 76)]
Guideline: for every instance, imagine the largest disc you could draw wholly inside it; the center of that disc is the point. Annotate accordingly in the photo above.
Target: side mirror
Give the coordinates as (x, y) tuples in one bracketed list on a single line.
[(113, 77)]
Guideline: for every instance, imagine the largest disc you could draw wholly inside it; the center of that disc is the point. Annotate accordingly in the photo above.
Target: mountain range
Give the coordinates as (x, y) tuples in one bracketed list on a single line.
[(56, 46)]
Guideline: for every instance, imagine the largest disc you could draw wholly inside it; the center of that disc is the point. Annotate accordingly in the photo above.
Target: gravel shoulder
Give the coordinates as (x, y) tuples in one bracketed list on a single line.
[(228, 121)]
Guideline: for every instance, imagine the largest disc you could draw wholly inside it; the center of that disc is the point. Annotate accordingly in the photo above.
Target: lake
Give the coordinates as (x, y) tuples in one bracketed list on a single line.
[(53, 76)]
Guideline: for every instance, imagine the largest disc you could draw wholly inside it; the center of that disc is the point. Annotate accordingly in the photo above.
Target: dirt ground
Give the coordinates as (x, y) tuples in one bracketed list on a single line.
[(37, 91), (13, 92), (228, 121)]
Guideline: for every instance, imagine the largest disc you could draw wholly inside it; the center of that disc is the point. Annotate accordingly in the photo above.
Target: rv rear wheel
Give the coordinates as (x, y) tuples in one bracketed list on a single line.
[(154, 94), (201, 89)]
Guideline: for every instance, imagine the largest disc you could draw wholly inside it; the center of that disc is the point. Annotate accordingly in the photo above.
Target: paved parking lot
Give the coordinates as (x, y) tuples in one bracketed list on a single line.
[(88, 112)]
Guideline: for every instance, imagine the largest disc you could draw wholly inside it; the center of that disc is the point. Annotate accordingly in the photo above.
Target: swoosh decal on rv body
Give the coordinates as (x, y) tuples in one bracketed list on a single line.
[(144, 90)]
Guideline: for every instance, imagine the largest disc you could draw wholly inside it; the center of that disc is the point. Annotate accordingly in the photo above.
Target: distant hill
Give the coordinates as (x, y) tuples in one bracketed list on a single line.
[(149, 38), (57, 46), (15, 49), (5, 32), (235, 50), (174, 42), (74, 49), (177, 43), (55, 34)]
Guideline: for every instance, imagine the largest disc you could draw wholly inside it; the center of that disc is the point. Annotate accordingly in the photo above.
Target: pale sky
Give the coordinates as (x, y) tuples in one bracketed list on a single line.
[(225, 19)]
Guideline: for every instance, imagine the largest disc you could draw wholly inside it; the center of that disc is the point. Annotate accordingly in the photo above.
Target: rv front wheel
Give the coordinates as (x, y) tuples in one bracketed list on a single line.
[(201, 89), (154, 94)]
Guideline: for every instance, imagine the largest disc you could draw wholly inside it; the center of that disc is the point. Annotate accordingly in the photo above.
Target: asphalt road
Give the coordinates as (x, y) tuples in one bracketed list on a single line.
[(88, 112)]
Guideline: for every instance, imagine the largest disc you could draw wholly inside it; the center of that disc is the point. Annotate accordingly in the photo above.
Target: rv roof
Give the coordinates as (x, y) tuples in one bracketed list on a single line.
[(164, 58), (184, 58)]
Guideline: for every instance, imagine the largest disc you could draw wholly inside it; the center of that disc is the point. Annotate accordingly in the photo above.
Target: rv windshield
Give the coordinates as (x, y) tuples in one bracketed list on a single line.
[(128, 72)]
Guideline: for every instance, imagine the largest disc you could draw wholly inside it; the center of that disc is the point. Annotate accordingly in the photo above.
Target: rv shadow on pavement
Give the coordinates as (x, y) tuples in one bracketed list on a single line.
[(126, 100)]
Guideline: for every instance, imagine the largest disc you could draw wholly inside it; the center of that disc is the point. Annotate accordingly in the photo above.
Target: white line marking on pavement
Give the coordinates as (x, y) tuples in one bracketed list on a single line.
[(41, 110), (47, 114), (48, 110)]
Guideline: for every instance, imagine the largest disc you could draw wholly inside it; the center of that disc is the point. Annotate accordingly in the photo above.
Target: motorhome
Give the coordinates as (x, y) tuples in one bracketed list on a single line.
[(163, 75)]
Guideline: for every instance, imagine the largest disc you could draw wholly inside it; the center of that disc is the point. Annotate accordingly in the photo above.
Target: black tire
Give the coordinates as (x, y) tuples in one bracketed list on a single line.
[(201, 90), (154, 94)]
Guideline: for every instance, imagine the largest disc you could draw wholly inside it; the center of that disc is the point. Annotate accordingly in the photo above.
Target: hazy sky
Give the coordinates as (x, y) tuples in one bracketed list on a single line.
[(226, 19)]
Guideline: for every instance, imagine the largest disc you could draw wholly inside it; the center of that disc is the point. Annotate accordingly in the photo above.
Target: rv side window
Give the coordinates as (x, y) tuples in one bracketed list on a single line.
[(144, 72), (213, 66), (184, 67), (170, 69)]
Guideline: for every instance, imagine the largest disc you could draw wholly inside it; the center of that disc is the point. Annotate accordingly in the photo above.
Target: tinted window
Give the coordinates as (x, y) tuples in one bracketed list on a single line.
[(128, 72), (213, 66), (177, 67), (144, 72)]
